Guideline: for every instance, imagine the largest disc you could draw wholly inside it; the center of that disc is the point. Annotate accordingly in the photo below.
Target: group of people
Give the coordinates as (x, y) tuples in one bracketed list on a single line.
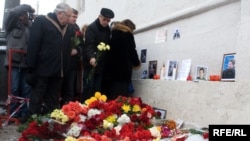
[(54, 52)]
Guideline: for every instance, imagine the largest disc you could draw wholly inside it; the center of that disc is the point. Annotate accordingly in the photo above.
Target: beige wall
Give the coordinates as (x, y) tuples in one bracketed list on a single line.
[(209, 29)]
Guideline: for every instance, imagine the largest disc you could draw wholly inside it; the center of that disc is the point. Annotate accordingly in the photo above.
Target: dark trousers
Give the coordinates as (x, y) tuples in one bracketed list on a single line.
[(19, 88), (68, 87), (46, 91), (118, 88), (90, 86)]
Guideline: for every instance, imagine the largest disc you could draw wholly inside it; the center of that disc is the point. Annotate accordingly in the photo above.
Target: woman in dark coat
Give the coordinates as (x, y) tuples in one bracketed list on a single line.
[(122, 58)]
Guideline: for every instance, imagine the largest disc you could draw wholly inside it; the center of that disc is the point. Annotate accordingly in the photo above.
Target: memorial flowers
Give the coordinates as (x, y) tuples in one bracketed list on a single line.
[(100, 119), (125, 118)]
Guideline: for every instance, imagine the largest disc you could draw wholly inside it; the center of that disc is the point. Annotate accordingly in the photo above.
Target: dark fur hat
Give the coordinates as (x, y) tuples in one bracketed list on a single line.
[(108, 13)]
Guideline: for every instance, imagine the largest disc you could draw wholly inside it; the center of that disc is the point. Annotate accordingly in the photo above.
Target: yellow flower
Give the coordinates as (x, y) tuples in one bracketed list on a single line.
[(98, 95), (69, 138), (59, 116), (126, 108), (103, 98), (136, 108), (90, 100), (111, 118)]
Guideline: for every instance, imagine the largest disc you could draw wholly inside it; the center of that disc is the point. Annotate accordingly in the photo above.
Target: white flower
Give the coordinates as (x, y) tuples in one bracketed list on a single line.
[(74, 130), (93, 112), (102, 44), (123, 119), (107, 47), (117, 129), (155, 132), (100, 47), (82, 118), (107, 125)]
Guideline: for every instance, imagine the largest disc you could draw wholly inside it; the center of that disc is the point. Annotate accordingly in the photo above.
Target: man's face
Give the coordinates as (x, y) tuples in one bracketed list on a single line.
[(24, 18), (104, 21), (230, 65), (73, 18), (64, 16)]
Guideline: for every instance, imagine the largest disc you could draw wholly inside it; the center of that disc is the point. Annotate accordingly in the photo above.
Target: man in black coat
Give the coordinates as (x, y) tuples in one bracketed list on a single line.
[(97, 32), (48, 57), (70, 80)]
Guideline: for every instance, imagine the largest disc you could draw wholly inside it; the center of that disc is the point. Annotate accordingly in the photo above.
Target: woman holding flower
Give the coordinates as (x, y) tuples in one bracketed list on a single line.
[(121, 58)]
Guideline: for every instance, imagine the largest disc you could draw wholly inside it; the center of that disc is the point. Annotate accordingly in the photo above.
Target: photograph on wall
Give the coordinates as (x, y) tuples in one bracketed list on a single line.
[(184, 70), (171, 69), (143, 55), (152, 69), (201, 73), (144, 74), (228, 67)]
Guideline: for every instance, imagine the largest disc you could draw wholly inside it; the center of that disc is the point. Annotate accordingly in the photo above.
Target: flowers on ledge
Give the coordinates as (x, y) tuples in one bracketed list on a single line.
[(122, 119)]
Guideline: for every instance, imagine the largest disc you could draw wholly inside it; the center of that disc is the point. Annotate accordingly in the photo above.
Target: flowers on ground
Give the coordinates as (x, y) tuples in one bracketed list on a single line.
[(102, 47), (98, 119)]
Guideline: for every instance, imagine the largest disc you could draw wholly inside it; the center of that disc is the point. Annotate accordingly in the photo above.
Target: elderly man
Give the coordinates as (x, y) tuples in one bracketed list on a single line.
[(98, 31), (48, 57), (70, 86)]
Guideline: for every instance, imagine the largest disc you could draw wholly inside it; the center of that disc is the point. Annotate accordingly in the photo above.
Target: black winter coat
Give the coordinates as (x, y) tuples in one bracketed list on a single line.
[(74, 62), (122, 56), (48, 52), (95, 34)]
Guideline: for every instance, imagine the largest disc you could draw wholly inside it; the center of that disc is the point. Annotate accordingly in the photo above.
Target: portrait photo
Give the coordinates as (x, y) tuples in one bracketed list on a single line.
[(171, 69), (201, 73), (143, 55), (163, 113), (144, 74), (152, 69), (228, 67)]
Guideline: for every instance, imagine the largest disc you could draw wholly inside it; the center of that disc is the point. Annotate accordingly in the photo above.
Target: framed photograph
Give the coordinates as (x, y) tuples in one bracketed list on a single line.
[(152, 69), (162, 112), (171, 69), (228, 67), (201, 73), (143, 55), (184, 70), (144, 74)]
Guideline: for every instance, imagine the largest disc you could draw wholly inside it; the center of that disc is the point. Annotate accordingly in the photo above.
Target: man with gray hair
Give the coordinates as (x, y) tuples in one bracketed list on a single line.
[(48, 57)]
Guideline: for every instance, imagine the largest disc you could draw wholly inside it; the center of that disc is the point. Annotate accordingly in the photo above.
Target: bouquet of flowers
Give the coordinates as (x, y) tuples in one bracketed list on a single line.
[(122, 119), (101, 48)]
